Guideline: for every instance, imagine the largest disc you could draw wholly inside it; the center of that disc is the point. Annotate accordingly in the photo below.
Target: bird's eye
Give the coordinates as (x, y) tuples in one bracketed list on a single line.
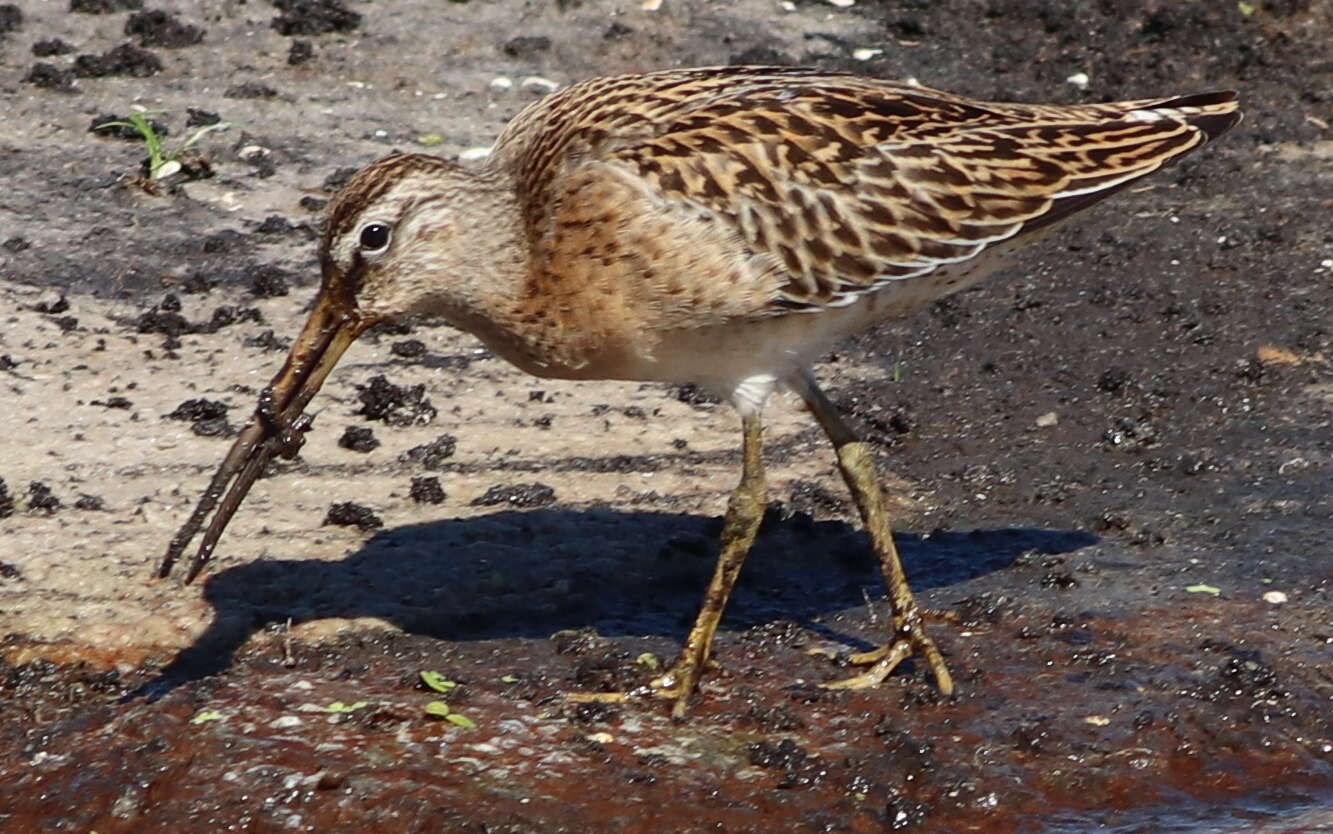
[(375, 237)]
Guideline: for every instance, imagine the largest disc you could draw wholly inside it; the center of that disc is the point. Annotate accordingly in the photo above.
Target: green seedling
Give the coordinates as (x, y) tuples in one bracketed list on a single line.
[(340, 707), (162, 163), (207, 715), (1203, 589), (436, 681), (440, 709)]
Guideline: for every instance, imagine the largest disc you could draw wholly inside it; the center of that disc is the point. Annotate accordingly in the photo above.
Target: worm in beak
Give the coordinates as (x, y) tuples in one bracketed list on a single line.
[(277, 428)]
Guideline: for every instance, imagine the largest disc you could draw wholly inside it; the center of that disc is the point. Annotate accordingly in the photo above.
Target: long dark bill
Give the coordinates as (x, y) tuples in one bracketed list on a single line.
[(275, 429)]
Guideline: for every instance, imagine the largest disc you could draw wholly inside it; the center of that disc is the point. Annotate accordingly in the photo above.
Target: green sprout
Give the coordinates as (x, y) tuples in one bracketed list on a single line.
[(340, 707), (161, 163), (436, 681), (207, 715), (440, 709)]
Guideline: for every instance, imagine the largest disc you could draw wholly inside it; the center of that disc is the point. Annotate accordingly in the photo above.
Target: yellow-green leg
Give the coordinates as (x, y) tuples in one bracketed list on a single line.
[(745, 512), (858, 470)]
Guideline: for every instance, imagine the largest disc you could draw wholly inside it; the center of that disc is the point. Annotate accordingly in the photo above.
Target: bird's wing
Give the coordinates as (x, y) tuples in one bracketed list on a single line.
[(850, 183)]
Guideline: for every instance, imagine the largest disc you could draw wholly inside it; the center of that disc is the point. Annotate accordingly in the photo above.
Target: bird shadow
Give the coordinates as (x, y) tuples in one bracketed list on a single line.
[(529, 574)]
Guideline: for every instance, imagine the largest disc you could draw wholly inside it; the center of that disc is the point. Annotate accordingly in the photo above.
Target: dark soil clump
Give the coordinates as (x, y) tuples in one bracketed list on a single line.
[(359, 439), (269, 282), (11, 19), (50, 47), (104, 6), (91, 503), (158, 28), (427, 490), (526, 47), (299, 53), (126, 60), (352, 514), (195, 117), (267, 340), (249, 90), (516, 495), (41, 498), (208, 417), (166, 322), (50, 77), (314, 17), (199, 409), (395, 404), (408, 348), (431, 455)]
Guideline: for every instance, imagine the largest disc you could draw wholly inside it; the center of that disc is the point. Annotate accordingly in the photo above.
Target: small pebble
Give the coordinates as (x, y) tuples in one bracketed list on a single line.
[(539, 84), (1275, 597)]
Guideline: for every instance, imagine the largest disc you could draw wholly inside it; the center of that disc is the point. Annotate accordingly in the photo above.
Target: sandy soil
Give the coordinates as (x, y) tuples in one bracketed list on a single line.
[(1112, 463)]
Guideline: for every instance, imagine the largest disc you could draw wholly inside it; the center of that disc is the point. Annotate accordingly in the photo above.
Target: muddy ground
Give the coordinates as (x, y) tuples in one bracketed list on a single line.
[(1111, 464)]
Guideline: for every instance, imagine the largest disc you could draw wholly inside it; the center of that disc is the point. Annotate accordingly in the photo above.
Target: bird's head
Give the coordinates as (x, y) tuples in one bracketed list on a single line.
[(396, 243)]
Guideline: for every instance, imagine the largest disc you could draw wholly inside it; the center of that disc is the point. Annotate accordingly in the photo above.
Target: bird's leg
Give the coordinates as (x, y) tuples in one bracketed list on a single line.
[(858, 470), (745, 511)]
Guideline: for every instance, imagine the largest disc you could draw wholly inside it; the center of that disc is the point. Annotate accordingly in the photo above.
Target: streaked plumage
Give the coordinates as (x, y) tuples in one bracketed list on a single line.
[(722, 226), (844, 183)]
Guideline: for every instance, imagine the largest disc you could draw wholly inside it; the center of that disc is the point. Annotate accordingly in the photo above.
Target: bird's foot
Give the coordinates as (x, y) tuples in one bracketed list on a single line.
[(911, 639), (677, 684)]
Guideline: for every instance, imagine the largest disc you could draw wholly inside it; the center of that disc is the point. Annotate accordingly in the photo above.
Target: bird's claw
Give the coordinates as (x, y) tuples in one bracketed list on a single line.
[(677, 685), (911, 640)]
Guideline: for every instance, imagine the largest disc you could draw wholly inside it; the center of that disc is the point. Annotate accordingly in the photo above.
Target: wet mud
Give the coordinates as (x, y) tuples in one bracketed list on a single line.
[(1110, 466)]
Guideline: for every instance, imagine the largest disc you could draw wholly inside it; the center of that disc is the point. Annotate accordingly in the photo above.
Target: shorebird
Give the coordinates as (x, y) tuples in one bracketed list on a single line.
[(721, 226)]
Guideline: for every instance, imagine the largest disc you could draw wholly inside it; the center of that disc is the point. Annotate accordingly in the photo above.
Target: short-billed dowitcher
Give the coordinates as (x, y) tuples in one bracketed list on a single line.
[(719, 226)]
